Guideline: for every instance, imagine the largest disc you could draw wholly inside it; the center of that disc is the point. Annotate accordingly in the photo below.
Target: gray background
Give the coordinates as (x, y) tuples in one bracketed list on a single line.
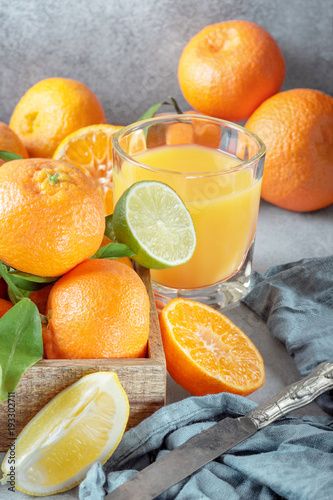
[(127, 51)]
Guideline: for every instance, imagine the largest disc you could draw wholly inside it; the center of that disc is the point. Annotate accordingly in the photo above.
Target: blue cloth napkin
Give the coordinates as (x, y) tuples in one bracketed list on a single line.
[(296, 302), (293, 457)]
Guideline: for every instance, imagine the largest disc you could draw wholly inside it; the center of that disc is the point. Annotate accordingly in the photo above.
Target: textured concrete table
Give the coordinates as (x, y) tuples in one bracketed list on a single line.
[(282, 237)]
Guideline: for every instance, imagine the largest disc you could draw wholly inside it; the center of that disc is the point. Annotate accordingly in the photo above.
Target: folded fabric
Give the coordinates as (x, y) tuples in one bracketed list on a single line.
[(293, 457), (296, 302)]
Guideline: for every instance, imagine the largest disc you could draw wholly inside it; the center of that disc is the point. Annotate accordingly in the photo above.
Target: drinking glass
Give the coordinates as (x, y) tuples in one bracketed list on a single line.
[(216, 168)]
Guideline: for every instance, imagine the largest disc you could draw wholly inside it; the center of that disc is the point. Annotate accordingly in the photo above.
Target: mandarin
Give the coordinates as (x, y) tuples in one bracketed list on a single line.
[(51, 216), (52, 109), (90, 149), (206, 353), (228, 69), (297, 129), (100, 309), (9, 141)]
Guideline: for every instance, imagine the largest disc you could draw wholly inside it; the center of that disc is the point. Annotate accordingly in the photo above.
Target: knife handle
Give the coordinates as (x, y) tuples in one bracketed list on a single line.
[(294, 396)]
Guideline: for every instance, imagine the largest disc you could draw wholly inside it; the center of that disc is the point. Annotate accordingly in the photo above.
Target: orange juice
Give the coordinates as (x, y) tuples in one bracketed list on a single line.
[(223, 203)]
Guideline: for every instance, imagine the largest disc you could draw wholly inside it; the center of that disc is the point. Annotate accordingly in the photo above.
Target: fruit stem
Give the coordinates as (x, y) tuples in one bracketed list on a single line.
[(43, 319), (53, 179)]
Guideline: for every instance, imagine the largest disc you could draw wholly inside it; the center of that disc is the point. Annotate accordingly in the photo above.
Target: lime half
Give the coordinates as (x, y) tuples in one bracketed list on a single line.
[(152, 220)]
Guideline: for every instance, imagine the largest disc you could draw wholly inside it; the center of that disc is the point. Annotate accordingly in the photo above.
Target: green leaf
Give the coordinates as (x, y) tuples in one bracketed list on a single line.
[(30, 282), (113, 251), (109, 228), (13, 297), (7, 156), (20, 285), (21, 344), (151, 111), (16, 293)]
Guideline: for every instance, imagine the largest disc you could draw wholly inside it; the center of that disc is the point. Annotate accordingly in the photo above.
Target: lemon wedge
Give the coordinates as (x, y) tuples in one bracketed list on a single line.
[(81, 425)]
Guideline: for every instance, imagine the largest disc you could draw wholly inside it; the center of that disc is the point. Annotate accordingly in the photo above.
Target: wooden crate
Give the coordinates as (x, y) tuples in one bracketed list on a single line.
[(144, 380)]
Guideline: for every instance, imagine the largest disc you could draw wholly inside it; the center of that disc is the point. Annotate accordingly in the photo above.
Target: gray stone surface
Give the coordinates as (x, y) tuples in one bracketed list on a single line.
[(127, 51)]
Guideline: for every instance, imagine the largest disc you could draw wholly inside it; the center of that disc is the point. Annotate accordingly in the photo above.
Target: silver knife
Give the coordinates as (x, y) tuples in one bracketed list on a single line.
[(211, 443)]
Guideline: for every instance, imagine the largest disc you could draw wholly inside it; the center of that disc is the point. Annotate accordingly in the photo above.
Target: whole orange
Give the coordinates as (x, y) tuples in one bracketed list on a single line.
[(100, 309), (229, 68), (9, 141), (51, 216), (297, 129), (52, 109)]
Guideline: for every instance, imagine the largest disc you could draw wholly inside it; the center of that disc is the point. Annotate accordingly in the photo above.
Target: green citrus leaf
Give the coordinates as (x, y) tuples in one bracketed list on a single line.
[(109, 228), (21, 344), (113, 251), (7, 156), (16, 298), (30, 282), (151, 111), (18, 282), (16, 293)]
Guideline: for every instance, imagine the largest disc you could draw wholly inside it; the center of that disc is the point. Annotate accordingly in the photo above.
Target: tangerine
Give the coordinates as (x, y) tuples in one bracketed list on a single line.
[(9, 141), (99, 309), (51, 216), (52, 109), (228, 69), (297, 129)]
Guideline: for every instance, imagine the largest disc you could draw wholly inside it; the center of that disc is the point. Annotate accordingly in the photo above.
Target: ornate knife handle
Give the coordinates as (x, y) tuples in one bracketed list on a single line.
[(294, 396)]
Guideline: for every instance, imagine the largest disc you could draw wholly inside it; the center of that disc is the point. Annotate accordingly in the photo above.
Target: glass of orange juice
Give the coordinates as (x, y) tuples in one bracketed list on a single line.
[(216, 168)]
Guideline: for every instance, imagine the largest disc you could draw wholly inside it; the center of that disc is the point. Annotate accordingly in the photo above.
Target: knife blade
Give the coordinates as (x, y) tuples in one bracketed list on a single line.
[(221, 437)]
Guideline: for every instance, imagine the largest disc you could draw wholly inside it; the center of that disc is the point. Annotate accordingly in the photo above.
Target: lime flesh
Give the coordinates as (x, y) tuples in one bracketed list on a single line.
[(153, 221)]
